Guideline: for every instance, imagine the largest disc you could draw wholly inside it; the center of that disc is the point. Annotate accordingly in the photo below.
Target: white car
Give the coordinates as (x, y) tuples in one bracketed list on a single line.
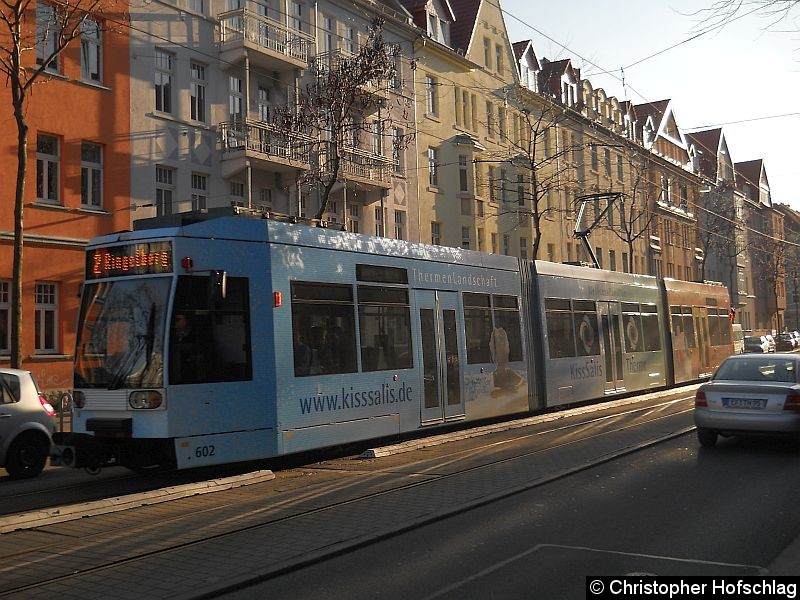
[(750, 394), (27, 423)]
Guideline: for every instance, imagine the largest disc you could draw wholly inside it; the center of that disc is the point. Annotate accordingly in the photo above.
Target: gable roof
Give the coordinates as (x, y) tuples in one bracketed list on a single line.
[(707, 145), (466, 13)]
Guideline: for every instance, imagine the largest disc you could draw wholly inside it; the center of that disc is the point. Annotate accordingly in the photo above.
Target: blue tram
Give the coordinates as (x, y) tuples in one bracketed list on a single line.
[(225, 338)]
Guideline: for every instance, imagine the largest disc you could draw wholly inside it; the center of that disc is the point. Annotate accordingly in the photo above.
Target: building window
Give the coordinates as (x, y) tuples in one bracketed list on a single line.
[(433, 167), (265, 199), (432, 100), (503, 177), (91, 175), (165, 190), (465, 238), (47, 168), (487, 53), (463, 173), (349, 40), (612, 260), (492, 183), (523, 248), (91, 63), (47, 34), (501, 123), (436, 234), (379, 221), (5, 316), (489, 119), (494, 243), (397, 150), (46, 311), (521, 190), (466, 206), (196, 6), (595, 161), (625, 265), (236, 97), (354, 217), (163, 81), (377, 138), (197, 92), (479, 209), (598, 252), (237, 190), (498, 59), (551, 252), (665, 189), (480, 240), (200, 191), (399, 225), (607, 160), (506, 245), (620, 172)]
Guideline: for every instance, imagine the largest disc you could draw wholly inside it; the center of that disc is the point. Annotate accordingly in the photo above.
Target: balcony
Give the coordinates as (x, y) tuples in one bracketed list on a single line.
[(361, 169), (268, 43), (265, 145), (376, 91)]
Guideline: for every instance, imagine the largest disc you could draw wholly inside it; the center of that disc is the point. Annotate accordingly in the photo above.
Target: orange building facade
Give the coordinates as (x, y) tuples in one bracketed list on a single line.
[(77, 186)]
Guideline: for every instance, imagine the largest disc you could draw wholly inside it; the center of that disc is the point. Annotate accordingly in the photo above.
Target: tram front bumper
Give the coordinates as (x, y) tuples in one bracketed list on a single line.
[(81, 451)]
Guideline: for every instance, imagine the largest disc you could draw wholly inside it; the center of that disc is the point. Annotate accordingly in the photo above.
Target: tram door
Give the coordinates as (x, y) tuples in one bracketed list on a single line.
[(703, 339), (440, 362), (610, 325)]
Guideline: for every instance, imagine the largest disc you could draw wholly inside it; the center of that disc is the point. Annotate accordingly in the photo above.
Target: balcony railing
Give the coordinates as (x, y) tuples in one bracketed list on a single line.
[(273, 143), (243, 25), (360, 165), (332, 59)]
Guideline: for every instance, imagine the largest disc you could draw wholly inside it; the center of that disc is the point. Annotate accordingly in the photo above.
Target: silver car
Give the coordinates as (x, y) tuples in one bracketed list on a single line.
[(27, 423), (750, 394)]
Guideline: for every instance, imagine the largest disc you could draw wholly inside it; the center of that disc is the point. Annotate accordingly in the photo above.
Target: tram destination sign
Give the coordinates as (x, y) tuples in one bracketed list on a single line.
[(130, 259)]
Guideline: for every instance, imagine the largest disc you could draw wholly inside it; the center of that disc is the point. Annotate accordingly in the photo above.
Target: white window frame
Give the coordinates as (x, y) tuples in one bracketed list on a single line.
[(165, 190), (197, 92), (463, 173), (436, 234), (399, 225), (433, 167), (48, 170), (199, 190), (47, 36), (5, 316), (46, 317), (91, 51), (235, 97), (163, 80), (431, 96), (91, 175)]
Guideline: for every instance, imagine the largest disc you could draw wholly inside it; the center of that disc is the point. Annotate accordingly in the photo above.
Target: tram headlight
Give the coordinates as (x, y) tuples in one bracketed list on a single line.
[(145, 399)]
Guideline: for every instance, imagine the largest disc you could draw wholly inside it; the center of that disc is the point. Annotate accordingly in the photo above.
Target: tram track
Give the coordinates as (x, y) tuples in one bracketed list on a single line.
[(229, 526)]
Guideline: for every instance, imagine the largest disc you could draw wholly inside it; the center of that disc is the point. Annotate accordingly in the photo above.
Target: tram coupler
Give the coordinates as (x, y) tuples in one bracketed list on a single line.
[(81, 451)]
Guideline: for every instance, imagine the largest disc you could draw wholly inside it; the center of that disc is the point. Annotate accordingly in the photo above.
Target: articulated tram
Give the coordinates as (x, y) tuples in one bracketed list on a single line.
[(225, 338)]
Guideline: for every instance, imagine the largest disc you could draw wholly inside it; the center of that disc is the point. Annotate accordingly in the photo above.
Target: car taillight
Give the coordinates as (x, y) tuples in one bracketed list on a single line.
[(700, 398), (792, 400), (46, 406)]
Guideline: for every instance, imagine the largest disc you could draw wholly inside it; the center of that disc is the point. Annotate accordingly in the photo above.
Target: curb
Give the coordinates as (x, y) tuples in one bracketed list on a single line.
[(71, 512), (436, 440)]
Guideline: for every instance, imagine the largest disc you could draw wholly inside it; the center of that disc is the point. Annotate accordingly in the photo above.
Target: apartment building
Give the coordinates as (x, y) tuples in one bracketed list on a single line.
[(77, 182), (215, 86)]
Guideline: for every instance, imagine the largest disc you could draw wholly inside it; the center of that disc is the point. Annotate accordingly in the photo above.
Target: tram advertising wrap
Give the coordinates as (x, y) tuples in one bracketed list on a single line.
[(218, 337)]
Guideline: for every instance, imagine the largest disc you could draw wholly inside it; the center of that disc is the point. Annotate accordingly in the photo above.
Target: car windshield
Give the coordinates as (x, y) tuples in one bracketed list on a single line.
[(758, 369), (121, 334)]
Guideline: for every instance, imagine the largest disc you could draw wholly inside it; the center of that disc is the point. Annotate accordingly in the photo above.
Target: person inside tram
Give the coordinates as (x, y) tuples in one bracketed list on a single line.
[(185, 351)]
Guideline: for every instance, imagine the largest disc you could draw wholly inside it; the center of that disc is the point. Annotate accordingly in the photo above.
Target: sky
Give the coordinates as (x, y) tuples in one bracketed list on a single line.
[(744, 77)]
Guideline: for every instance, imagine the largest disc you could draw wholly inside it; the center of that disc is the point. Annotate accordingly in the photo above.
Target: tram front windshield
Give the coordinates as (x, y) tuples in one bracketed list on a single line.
[(120, 340)]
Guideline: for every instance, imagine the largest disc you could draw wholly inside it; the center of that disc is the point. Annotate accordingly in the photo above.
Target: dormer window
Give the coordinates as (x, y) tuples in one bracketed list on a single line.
[(433, 27)]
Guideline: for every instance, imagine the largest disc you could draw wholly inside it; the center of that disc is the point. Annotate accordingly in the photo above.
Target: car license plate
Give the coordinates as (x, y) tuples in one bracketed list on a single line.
[(749, 403)]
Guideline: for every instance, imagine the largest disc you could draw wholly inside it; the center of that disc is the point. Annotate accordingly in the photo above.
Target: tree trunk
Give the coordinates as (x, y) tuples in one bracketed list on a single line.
[(22, 164)]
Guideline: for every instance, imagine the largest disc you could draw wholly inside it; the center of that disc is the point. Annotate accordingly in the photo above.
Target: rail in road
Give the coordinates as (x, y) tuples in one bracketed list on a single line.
[(200, 546)]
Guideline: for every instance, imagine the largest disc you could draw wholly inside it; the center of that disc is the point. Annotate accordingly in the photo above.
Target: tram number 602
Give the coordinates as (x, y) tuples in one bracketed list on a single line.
[(204, 451)]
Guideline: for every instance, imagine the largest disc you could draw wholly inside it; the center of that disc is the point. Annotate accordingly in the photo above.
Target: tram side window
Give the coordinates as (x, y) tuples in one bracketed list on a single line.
[(478, 327), (632, 324), (724, 327), (688, 321), (506, 323), (713, 327), (585, 320), (650, 329), (210, 336), (323, 329), (384, 318), (560, 336)]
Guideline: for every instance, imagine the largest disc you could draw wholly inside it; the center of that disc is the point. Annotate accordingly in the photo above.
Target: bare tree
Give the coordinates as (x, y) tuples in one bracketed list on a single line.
[(542, 159), (635, 206), (721, 12), (32, 38), (342, 89), (769, 262)]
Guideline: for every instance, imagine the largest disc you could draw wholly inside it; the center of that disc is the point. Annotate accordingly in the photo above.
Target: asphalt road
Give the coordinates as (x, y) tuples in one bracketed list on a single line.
[(670, 509)]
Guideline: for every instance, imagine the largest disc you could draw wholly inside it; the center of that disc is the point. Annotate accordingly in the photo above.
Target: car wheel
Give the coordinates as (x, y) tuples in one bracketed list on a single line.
[(27, 456), (707, 437)]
